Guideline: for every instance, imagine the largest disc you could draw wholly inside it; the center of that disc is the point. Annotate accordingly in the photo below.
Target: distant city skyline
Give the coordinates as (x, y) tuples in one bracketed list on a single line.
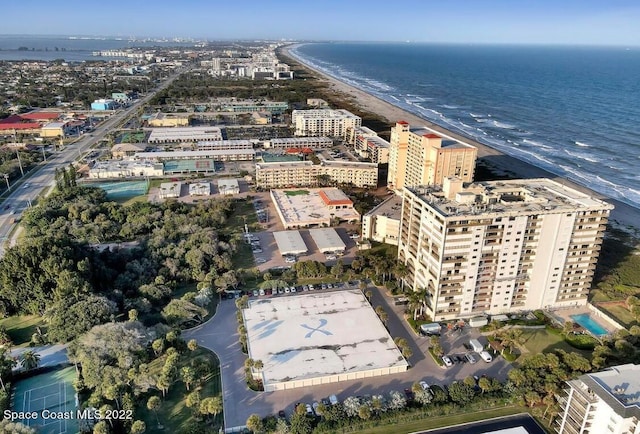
[(588, 22)]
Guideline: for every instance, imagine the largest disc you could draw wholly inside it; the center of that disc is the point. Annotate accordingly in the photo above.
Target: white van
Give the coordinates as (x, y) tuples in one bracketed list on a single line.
[(485, 356)]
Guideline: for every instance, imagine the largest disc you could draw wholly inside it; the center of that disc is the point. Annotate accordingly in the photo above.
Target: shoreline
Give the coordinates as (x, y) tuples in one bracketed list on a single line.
[(624, 217)]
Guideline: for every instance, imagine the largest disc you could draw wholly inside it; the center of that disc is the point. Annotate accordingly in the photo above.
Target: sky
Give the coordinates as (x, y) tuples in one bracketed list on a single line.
[(589, 22)]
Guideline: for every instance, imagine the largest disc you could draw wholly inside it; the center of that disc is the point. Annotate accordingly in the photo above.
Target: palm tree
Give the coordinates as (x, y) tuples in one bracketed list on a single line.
[(211, 406), (30, 360), (153, 404)]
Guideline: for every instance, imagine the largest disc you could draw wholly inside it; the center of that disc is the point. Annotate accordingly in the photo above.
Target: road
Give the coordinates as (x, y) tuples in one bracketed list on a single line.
[(23, 193)]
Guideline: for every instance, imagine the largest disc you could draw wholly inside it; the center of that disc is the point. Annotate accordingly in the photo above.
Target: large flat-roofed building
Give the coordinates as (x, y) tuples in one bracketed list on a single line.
[(500, 246), (382, 223), (122, 150), (305, 173), (103, 104), (325, 122), (299, 142), (318, 338), (200, 189), (290, 243), (224, 144), (184, 134), (299, 208), (160, 119), (422, 156), (247, 106), (327, 240), (216, 155), (601, 402), (125, 169)]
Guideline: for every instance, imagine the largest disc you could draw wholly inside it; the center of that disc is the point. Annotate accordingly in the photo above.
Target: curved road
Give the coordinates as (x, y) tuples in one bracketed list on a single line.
[(25, 191), (219, 334)]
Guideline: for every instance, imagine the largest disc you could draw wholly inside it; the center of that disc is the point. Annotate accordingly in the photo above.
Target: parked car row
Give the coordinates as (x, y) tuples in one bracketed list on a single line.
[(261, 212), (313, 409), (295, 289)]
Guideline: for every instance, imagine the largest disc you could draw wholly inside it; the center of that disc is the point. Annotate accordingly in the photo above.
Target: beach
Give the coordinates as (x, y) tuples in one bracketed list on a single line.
[(623, 217)]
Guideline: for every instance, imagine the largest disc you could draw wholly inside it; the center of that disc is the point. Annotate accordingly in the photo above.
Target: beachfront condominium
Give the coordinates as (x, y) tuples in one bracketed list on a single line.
[(325, 122), (500, 246), (601, 402), (422, 156), (305, 173)]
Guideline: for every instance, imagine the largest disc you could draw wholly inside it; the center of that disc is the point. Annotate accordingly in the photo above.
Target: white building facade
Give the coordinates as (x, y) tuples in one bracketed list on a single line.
[(325, 122), (601, 402), (498, 247)]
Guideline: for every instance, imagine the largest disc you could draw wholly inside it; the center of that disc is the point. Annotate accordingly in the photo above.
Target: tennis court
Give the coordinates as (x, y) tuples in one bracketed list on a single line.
[(123, 189), (51, 391)]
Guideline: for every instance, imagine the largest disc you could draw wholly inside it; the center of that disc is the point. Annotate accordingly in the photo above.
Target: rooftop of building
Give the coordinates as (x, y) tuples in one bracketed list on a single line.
[(306, 206), (535, 196), (193, 154), (447, 142), (618, 386), (334, 196), (391, 208), (319, 113), (301, 139), (123, 164), (316, 335), (349, 164), (378, 141), (283, 164)]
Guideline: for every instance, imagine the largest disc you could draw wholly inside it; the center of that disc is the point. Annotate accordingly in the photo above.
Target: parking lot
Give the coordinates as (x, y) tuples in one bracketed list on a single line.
[(265, 249), (220, 335)]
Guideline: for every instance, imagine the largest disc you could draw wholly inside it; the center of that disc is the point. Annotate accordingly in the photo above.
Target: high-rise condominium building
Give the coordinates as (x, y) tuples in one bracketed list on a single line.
[(325, 122), (500, 246), (602, 402), (422, 156)]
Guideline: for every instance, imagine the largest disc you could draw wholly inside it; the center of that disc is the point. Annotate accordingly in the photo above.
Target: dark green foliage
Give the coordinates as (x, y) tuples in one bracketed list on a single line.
[(69, 317)]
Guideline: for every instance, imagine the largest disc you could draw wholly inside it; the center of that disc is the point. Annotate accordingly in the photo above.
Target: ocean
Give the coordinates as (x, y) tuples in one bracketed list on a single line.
[(70, 48), (574, 111)]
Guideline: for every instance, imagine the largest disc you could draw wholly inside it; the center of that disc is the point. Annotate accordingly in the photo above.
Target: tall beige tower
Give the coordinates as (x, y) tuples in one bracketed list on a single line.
[(422, 156), (501, 246)]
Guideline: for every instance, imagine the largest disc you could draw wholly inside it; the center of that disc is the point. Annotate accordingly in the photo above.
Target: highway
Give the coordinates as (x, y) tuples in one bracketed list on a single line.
[(24, 192)]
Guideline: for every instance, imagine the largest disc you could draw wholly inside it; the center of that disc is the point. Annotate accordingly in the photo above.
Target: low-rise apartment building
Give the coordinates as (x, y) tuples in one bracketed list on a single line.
[(601, 402), (314, 143), (305, 173), (501, 246), (184, 134)]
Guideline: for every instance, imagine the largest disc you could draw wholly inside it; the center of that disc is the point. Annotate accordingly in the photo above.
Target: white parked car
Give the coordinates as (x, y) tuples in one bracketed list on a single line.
[(424, 385), (447, 361), (470, 358)]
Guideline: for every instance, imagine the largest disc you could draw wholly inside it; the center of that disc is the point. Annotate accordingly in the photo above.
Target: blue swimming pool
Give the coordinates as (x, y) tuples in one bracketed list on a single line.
[(585, 320)]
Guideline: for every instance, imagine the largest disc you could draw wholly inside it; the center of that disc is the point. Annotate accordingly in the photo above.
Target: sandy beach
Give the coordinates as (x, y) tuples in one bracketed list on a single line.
[(623, 216)]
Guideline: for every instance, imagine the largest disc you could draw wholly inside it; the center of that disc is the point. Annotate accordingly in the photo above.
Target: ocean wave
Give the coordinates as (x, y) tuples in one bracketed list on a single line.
[(535, 143), (582, 144), (585, 157), (503, 125), (451, 107)]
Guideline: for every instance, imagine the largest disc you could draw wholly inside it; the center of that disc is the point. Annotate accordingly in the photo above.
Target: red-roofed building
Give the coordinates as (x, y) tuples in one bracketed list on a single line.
[(432, 136), (403, 122), (21, 127), (40, 116), (299, 151), (334, 198)]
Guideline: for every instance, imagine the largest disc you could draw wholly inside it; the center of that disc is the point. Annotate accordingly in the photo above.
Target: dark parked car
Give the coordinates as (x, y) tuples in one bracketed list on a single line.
[(409, 394)]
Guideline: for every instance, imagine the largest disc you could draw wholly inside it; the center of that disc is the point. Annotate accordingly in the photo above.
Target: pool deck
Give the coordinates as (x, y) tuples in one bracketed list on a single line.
[(564, 315)]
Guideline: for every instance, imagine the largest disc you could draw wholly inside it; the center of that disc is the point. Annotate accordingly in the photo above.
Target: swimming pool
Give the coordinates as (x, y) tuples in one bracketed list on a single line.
[(585, 320)]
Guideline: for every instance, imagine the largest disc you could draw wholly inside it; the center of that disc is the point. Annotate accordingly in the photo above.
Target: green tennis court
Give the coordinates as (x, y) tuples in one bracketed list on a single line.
[(52, 391)]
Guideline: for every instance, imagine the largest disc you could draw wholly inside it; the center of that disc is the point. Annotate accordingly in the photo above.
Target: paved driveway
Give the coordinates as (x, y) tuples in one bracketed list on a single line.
[(219, 335)]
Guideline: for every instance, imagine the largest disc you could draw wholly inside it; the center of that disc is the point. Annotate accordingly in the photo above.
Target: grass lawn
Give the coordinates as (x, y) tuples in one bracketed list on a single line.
[(173, 414), (619, 313), (401, 427), (542, 341), (22, 327), (296, 192)]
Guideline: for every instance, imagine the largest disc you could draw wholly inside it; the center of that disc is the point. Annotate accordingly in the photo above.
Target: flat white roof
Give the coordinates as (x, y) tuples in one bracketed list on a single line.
[(192, 154), (304, 207), (316, 335), (290, 242), (327, 240)]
